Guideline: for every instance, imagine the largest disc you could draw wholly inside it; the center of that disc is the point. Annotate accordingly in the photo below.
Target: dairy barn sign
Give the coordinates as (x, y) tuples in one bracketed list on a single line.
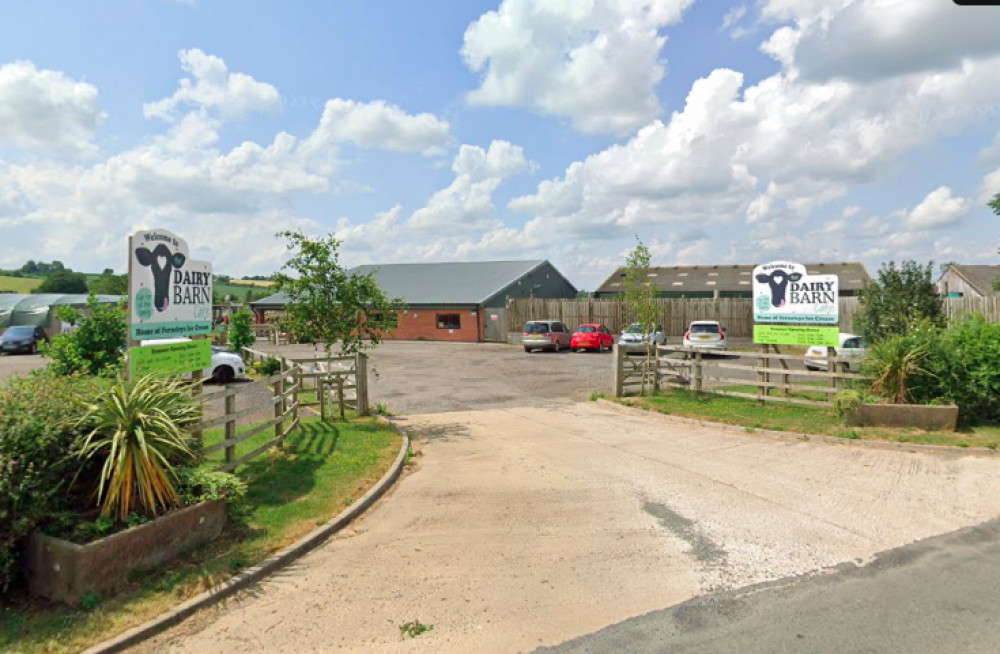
[(170, 295), (786, 293)]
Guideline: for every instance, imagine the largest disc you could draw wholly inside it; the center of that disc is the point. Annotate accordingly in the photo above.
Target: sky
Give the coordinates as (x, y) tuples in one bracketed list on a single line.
[(716, 132)]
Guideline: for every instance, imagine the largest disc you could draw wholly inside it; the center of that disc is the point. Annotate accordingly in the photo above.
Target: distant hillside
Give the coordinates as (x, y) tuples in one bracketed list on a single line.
[(238, 290)]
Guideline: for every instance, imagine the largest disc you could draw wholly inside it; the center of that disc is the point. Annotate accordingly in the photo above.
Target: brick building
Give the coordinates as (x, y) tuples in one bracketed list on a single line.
[(461, 301)]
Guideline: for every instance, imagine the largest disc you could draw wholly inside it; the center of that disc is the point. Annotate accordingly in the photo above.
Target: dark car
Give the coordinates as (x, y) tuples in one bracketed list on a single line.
[(21, 338)]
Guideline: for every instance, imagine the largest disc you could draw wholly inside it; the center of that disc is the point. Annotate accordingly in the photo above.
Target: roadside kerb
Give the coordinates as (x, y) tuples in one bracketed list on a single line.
[(273, 563), (788, 435)]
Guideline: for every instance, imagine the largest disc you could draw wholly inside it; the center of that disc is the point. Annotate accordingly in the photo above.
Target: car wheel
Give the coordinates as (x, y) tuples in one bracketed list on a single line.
[(34, 347), (527, 349), (556, 348), (223, 375)]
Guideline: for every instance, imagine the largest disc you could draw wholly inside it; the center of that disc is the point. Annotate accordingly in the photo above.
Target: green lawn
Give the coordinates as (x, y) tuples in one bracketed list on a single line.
[(320, 470), (800, 419)]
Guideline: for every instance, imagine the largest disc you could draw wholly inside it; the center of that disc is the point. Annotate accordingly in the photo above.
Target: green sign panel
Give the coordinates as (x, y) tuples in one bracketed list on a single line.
[(170, 359), (796, 335)]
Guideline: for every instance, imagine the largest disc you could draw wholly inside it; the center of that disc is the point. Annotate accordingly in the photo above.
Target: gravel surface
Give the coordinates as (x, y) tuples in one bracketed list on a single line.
[(525, 527)]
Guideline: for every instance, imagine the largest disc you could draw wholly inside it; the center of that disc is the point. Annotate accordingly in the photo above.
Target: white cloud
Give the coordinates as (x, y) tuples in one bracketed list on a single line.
[(876, 39), (596, 62), (939, 209), (377, 124), (467, 203), (231, 95), (46, 110)]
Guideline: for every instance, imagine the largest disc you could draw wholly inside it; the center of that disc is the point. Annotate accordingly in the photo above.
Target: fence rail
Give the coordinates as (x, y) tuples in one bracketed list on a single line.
[(736, 314), (678, 367)]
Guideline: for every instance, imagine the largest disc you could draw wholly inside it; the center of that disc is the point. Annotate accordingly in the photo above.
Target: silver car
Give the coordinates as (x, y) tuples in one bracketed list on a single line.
[(852, 348), (636, 336), (545, 335)]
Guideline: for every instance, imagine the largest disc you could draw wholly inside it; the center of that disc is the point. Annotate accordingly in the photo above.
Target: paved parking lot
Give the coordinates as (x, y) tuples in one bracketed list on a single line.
[(426, 377), (15, 365)]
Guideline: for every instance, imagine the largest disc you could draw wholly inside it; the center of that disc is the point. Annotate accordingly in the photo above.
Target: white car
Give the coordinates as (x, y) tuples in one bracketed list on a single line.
[(705, 335), (635, 337), (226, 366), (852, 347)]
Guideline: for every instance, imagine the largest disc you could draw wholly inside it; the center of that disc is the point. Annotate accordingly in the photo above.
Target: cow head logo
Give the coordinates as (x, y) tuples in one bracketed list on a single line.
[(161, 262), (778, 280)]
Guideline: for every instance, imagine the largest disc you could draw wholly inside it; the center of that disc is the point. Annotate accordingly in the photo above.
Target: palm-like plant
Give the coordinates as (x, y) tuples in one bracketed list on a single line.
[(891, 363), (139, 430)]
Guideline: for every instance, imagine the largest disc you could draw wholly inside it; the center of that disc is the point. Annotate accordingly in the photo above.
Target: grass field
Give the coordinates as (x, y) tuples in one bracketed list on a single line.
[(800, 419), (320, 470), (239, 291)]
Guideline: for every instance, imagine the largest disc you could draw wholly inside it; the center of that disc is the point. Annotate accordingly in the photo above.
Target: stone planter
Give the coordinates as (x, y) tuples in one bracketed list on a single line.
[(920, 416), (64, 571)]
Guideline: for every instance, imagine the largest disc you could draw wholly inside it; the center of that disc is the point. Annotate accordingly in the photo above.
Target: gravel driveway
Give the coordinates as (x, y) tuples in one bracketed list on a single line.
[(523, 527)]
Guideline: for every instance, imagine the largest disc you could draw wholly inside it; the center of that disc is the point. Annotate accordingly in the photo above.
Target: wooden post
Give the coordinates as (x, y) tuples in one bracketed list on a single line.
[(279, 396), (619, 372), (767, 370), (656, 371), (831, 366), (195, 394), (322, 399), (295, 395), (230, 404), (697, 358), (760, 378), (784, 376), (361, 383), (340, 397)]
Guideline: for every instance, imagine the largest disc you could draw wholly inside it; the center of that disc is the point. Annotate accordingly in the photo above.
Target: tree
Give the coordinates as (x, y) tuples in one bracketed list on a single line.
[(109, 284), (900, 298), (96, 343), (241, 330), (640, 299), (327, 304), (63, 281)]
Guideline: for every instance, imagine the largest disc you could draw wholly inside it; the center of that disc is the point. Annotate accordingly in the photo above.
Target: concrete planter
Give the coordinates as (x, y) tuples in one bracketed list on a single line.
[(64, 571), (920, 416)]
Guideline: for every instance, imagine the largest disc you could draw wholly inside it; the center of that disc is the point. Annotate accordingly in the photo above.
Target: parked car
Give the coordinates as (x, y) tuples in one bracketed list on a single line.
[(545, 335), (226, 366), (705, 335), (22, 338), (852, 347), (592, 337), (636, 336)]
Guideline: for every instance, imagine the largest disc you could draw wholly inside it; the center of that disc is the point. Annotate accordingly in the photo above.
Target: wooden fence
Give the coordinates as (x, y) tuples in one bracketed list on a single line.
[(735, 314), (766, 370), (284, 388), (339, 379)]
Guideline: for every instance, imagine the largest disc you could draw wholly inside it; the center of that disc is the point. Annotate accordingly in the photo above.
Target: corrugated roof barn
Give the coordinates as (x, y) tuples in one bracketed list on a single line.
[(455, 300), (968, 281), (727, 281)]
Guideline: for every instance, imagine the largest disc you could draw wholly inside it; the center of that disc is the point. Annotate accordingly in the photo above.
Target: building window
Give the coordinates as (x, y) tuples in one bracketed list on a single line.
[(449, 321)]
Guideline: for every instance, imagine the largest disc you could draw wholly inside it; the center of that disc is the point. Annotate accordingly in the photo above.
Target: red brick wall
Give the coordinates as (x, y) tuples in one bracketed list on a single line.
[(421, 324)]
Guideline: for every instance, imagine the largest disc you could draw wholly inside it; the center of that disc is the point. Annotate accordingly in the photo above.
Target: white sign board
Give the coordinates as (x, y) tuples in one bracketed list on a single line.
[(786, 293), (170, 295)]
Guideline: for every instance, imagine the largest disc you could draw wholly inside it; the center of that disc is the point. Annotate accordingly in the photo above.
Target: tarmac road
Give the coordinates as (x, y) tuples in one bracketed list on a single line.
[(935, 596)]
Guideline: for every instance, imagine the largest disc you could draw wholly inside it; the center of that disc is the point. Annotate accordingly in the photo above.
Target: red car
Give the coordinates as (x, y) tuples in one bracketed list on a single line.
[(592, 337)]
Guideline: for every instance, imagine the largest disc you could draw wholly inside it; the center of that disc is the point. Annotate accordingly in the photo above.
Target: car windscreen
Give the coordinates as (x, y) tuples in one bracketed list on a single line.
[(634, 328), (536, 328), (19, 332), (704, 329), (586, 329)]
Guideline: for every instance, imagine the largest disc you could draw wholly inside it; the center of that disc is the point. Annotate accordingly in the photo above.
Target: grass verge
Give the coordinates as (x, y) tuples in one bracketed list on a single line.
[(800, 419), (316, 474)]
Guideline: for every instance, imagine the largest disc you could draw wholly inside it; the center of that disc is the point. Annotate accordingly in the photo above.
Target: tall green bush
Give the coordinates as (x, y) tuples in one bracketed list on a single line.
[(96, 346), (901, 297), (37, 444), (241, 330), (970, 362)]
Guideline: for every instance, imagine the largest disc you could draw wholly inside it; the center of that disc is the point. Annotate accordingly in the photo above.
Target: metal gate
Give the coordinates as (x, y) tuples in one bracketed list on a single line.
[(495, 325)]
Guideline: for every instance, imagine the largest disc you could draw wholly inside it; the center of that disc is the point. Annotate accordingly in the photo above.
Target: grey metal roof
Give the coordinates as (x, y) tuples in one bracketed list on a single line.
[(457, 283), (979, 277), (730, 278)]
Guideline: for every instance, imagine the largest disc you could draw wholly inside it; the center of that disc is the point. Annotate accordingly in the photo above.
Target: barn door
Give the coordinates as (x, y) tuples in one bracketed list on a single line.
[(495, 329)]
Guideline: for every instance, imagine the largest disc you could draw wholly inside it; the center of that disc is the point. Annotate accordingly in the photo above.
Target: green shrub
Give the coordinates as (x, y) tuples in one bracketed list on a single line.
[(270, 366), (96, 346), (845, 402), (197, 485), (892, 363), (37, 443), (969, 368), (137, 431), (241, 330)]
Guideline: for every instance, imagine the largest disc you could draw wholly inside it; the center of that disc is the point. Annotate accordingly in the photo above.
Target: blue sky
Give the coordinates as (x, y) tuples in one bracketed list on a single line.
[(717, 132)]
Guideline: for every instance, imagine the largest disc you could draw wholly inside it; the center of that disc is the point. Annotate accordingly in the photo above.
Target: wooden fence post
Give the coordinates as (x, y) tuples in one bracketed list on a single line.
[(656, 371), (230, 404), (279, 396), (700, 371), (619, 372), (196, 395), (295, 395), (831, 367), (340, 397), (361, 383)]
